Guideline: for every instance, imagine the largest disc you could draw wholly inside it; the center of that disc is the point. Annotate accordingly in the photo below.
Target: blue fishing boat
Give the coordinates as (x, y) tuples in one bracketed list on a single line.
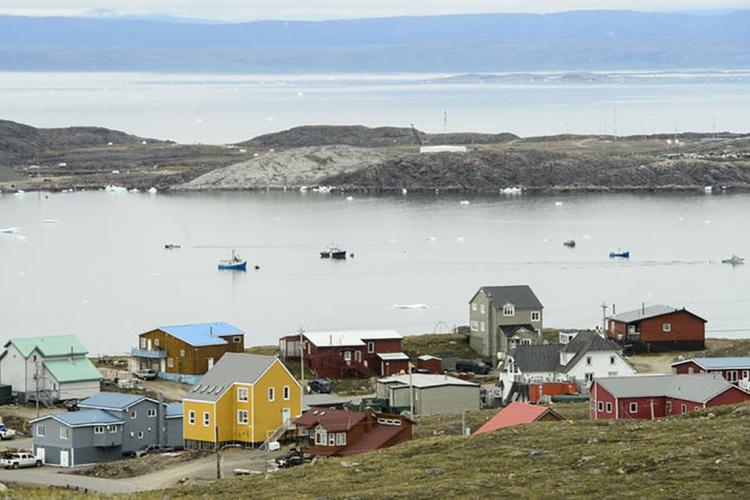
[(622, 255), (234, 264)]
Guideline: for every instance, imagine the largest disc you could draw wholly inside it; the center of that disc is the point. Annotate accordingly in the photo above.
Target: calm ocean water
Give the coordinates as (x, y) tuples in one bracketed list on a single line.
[(221, 109), (93, 263)]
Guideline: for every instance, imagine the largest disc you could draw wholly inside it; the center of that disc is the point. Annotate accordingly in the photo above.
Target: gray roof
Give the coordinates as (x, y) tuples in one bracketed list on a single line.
[(232, 367), (511, 330), (537, 358), (695, 388), (111, 400), (423, 381), (642, 313), (520, 296), (586, 342), (83, 418)]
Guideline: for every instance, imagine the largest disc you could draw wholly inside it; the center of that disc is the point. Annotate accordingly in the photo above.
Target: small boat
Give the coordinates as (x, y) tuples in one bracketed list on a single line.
[(333, 253), (735, 260), (171, 246), (234, 264), (622, 255), (570, 243)]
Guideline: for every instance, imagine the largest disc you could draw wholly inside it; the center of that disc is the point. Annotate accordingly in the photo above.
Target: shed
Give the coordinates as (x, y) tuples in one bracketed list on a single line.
[(518, 413), (429, 364)]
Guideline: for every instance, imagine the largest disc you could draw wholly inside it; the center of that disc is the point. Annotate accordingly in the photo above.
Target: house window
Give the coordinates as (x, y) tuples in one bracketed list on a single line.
[(242, 416), (509, 310), (481, 308), (745, 374), (358, 356), (133, 413), (40, 431), (668, 407), (732, 376), (140, 435), (242, 394), (321, 436), (271, 395), (474, 307), (588, 360), (64, 433), (611, 360), (666, 327), (182, 353), (481, 326), (206, 419), (152, 412), (236, 340), (331, 439), (525, 341), (347, 355), (112, 428), (156, 342), (589, 377), (634, 407), (286, 393), (371, 347), (170, 362), (191, 417), (144, 343), (341, 439), (536, 316), (600, 406), (683, 409), (609, 407), (474, 326), (98, 429)]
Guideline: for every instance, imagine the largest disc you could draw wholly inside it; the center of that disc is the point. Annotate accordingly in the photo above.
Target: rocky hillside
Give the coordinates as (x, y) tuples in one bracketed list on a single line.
[(366, 137), (20, 142)]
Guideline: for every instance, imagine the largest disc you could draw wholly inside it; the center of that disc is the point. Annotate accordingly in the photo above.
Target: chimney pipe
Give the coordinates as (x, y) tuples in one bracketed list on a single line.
[(614, 309), (643, 308)]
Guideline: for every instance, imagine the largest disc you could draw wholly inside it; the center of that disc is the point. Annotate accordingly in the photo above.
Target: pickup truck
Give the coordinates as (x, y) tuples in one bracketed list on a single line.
[(145, 374), (6, 433), (17, 459)]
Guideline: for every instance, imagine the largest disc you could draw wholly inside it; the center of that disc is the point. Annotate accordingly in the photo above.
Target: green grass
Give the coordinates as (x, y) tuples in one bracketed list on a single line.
[(435, 343), (696, 457)]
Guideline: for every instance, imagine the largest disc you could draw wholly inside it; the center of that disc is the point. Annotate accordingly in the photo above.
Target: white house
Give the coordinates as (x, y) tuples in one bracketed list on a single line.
[(54, 367), (579, 357)]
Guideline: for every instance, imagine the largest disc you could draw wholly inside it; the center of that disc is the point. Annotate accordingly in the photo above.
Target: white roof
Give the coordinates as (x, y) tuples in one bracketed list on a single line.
[(423, 380), (427, 357), (349, 338), (392, 356), (642, 313)]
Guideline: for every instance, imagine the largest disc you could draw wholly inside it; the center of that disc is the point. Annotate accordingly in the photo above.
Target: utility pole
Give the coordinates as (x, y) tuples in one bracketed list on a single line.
[(411, 394), (615, 124), (463, 422), (302, 356), (445, 121), (604, 317), (36, 383)]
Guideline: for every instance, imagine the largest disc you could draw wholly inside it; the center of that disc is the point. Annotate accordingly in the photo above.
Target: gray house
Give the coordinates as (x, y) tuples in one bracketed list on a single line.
[(503, 317), (107, 426), (433, 394)]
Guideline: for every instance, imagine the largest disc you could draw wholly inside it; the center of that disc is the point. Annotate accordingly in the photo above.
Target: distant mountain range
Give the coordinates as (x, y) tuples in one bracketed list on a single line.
[(581, 40)]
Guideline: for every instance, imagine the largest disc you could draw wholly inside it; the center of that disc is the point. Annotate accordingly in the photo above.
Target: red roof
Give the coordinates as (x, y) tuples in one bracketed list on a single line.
[(515, 414), (331, 420), (373, 440)]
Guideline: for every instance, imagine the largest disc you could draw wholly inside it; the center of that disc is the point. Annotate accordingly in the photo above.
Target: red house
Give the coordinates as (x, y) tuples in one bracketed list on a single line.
[(429, 364), (331, 432), (653, 396), (658, 328), (345, 354), (734, 370)]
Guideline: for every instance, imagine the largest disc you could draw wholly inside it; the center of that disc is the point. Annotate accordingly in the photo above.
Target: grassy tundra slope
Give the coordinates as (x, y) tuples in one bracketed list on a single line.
[(700, 456)]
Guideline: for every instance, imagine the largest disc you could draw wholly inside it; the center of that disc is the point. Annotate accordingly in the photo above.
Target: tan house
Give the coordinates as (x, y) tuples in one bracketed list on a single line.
[(185, 352), (503, 317)]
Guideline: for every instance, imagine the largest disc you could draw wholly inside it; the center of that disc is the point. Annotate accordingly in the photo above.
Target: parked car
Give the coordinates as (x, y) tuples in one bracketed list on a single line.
[(320, 385), (6, 433), (154, 448), (147, 374), (476, 366), (18, 459), (293, 458), (71, 405)]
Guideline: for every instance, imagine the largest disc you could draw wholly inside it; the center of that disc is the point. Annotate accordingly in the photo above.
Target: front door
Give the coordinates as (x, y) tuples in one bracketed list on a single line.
[(64, 458), (40, 454), (210, 363), (286, 416)]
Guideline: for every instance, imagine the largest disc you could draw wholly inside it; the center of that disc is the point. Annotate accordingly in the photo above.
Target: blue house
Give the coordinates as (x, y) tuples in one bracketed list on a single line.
[(107, 426)]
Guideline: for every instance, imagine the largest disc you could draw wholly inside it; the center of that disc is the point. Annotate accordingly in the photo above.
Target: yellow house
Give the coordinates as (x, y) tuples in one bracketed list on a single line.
[(244, 399)]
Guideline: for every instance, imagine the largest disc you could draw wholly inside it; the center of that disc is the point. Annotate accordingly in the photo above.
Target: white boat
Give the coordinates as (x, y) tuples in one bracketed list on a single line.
[(734, 260)]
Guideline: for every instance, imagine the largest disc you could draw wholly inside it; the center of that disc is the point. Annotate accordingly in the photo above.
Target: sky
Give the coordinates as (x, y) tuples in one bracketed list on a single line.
[(241, 10)]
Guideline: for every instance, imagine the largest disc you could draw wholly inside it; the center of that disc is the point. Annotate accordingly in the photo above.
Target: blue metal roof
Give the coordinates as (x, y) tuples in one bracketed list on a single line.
[(201, 334), (86, 418), (174, 410), (111, 400), (719, 363)]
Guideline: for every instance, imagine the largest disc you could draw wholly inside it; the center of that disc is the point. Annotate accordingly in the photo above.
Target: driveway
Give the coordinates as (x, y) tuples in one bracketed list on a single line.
[(49, 476)]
